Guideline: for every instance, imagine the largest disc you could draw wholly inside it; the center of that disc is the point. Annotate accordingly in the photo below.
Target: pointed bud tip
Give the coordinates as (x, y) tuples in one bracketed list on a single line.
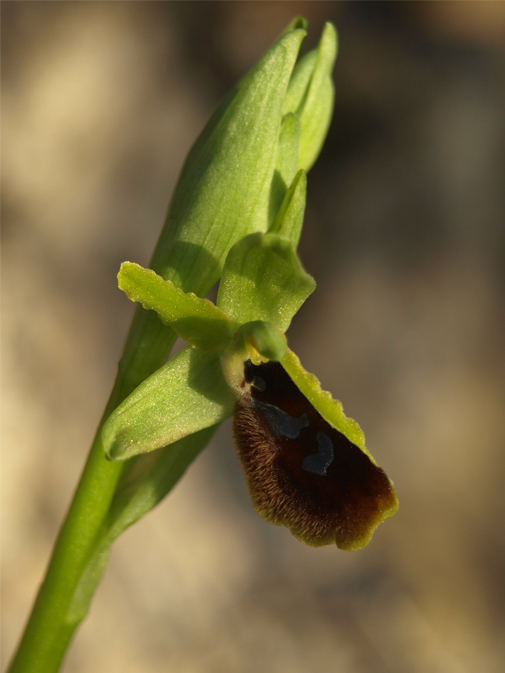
[(328, 44), (298, 23)]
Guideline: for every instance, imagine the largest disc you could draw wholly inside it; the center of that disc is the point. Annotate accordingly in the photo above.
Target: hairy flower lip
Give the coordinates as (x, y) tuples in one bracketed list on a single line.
[(301, 472)]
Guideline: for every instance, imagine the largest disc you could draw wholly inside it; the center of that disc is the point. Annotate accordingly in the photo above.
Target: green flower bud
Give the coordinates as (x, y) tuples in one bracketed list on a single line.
[(310, 96), (223, 192)]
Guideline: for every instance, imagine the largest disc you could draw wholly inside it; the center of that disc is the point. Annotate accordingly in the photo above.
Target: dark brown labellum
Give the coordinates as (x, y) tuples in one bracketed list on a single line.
[(301, 472)]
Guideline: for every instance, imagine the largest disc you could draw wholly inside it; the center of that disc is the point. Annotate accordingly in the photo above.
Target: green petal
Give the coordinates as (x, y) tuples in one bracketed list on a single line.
[(195, 320), (331, 410), (287, 151), (263, 280), (186, 395)]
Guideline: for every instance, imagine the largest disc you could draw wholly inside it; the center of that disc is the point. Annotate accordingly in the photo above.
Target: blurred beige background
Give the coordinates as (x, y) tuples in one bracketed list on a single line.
[(405, 235)]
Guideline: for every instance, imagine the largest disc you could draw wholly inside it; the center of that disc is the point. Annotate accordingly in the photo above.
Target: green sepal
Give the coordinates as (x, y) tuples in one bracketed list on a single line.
[(310, 95), (184, 396), (197, 321), (224, 191), (289, 219), (263, 280)]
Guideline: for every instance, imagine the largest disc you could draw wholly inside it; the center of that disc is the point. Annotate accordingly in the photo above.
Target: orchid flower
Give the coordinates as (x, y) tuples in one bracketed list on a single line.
[(306, 463)]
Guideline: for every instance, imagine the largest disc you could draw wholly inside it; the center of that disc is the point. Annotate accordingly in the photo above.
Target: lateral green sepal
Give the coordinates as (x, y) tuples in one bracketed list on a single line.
[(184, 396), (197, 321)]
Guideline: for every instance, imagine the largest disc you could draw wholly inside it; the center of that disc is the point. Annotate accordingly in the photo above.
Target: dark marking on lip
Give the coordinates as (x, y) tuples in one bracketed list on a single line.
[(318, 463), (282, 424)]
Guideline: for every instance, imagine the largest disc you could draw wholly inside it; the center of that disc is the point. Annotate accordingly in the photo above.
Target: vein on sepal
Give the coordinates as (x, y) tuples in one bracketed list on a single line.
[(187, 394)]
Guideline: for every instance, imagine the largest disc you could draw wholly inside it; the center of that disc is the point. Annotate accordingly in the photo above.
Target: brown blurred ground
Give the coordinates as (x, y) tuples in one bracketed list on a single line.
[(405, 234)]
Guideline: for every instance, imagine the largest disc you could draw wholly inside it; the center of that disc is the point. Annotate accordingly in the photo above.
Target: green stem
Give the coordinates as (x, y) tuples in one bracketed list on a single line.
[(59, 608), (49, 629)]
